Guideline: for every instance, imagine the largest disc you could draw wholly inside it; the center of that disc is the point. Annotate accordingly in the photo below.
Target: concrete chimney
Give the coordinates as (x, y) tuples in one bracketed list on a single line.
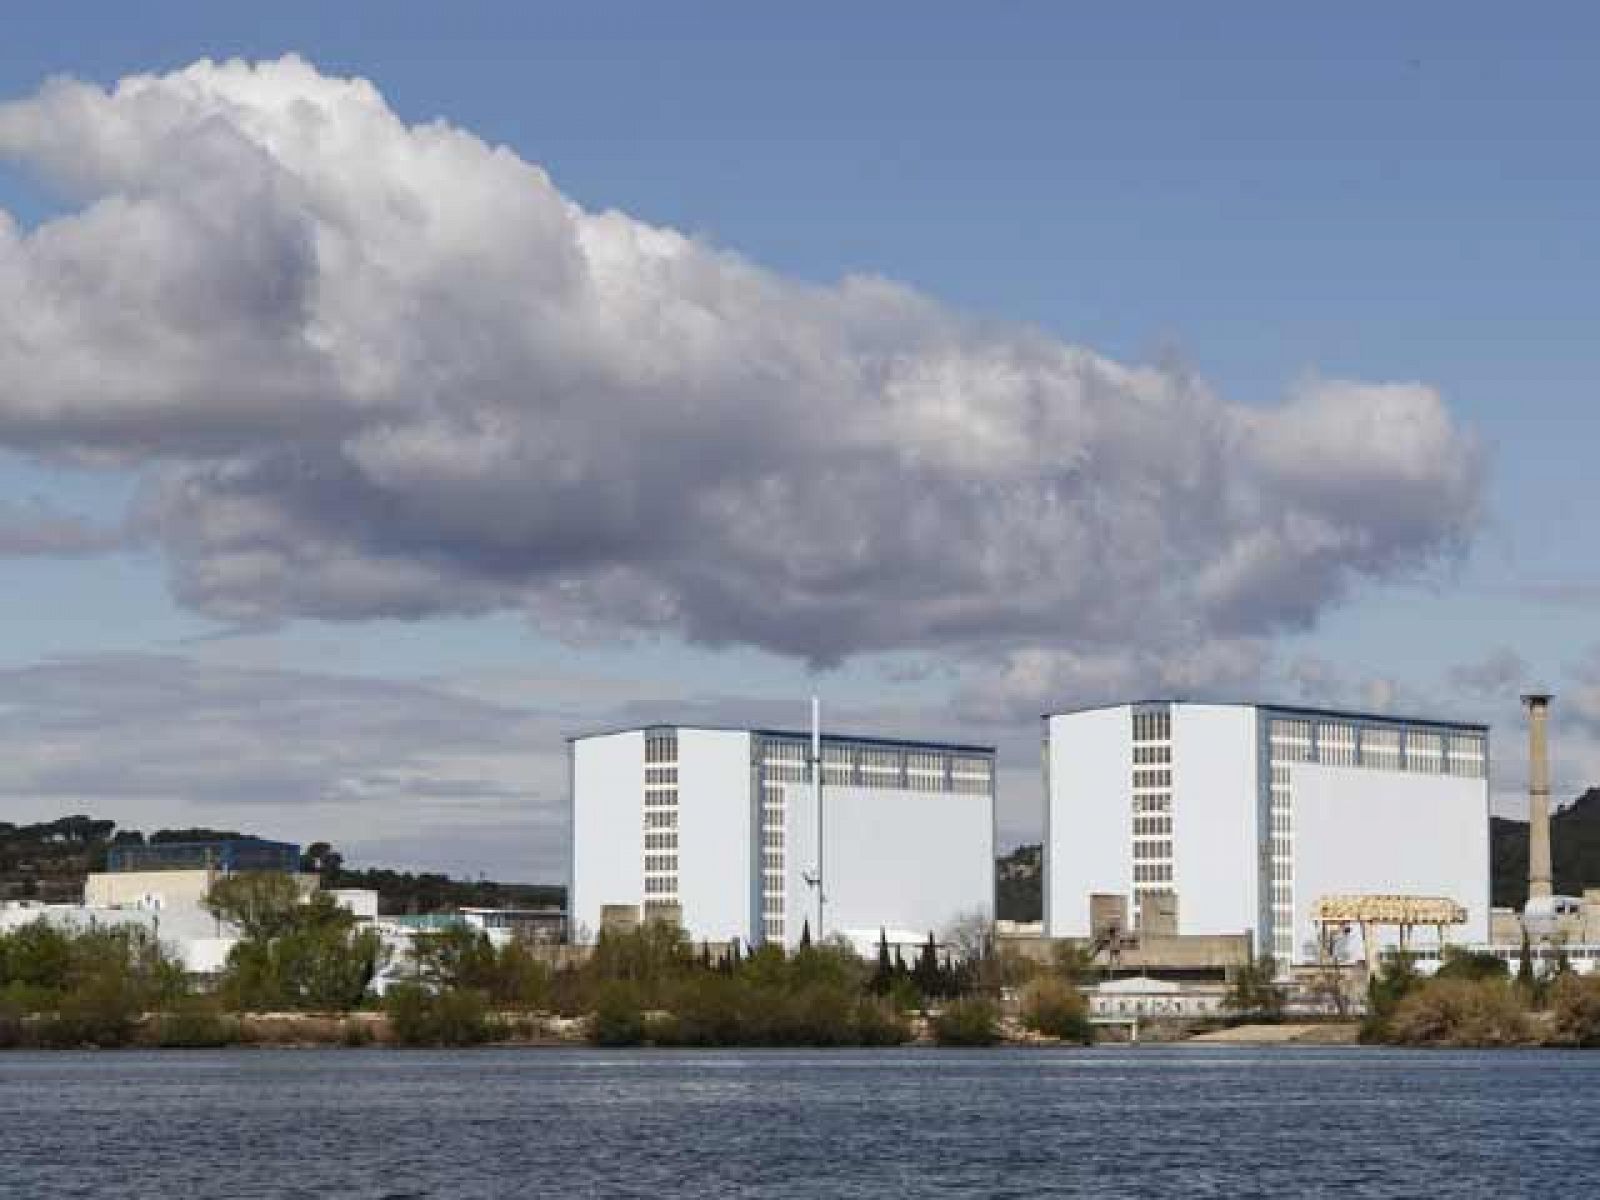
[(1538, 706)]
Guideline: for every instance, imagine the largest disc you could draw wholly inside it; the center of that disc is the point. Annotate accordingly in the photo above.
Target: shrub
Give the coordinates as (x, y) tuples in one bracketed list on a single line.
[(618, 1018), (194, 1024), (1473, 965), (881, 1023), (461, 1018), (355, 1033), (1056, 1009), (1457, 1012), (972, 1021), (418, 1017), (1575, 1010)]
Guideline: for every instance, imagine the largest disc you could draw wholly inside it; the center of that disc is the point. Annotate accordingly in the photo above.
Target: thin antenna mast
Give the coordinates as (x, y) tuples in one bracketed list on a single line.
[(813, 878)]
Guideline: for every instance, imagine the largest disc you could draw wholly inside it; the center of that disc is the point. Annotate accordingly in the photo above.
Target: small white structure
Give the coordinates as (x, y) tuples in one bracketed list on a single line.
[(718, 828), (1222, 818), (361, 903), (1141, 996)]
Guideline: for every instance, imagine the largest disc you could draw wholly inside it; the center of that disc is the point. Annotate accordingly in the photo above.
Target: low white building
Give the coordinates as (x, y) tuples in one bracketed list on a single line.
[(719, 828), (1140, 996), (1232, 818)]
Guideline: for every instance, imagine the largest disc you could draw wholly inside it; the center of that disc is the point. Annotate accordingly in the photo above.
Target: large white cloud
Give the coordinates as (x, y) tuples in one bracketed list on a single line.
[(378, 369)]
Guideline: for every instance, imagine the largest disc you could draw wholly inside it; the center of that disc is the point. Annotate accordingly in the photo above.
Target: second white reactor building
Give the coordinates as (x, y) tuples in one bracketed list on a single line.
[(719, 828), (1237, 818)]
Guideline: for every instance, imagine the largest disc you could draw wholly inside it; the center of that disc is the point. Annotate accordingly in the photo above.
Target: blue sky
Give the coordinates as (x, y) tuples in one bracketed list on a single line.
[(1262, 195)]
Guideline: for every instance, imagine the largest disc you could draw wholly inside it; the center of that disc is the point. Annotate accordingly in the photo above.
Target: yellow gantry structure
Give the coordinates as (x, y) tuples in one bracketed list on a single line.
[(1407, 912)]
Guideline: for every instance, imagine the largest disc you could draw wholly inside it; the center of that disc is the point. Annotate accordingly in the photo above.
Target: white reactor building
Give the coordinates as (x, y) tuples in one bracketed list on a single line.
[(719, 829), (1233, 818)]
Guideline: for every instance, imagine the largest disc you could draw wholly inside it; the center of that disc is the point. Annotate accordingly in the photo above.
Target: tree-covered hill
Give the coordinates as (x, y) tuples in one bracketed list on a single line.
[(1574, 852), (49, 860)]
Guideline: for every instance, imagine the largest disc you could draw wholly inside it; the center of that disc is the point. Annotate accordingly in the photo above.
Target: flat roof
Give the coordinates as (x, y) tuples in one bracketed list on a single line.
[(1292, 710), (798, 734)]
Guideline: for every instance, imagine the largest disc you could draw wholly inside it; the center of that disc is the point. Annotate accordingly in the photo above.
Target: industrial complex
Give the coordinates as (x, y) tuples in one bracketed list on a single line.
[(737, 833), (1217, 819), (1182, 841)]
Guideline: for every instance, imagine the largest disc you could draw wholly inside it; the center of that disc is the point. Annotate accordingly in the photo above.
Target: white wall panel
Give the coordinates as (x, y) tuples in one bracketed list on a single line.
[(1088, 847), (715, 852), (1214, 819), (607, 826), (1371, 831), (906, 860)]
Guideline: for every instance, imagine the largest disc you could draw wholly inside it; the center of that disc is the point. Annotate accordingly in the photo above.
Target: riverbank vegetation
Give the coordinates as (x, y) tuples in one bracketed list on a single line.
[(304, 969), (1473, 1001)]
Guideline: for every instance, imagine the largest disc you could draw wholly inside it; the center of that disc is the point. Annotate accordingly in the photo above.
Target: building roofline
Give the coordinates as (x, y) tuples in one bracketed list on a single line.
[(1293, 710), (828, 735)]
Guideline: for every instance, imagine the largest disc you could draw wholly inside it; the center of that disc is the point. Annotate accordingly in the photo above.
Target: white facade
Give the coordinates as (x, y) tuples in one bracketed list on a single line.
[(1246, 815), (722, 824)]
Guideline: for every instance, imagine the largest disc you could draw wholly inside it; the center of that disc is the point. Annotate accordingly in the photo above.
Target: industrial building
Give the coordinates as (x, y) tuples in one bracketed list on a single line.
[(1218, 819), (719, 829)]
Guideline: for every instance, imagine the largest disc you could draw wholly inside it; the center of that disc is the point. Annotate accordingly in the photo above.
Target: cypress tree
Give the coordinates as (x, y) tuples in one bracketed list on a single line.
[(885, 971), (1525, 979), (805, 935), (926, 975)]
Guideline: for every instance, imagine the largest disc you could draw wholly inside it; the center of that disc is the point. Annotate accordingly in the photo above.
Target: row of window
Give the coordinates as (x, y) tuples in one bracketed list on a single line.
[(847, 764), (1144, 756), (1146, 850), (772, 859), (660, 775), (661, 747), (661, 819), (661, 841), (1345, 744), (1152, 802), (661, 885), (1152, 872), (1152, 725), (1146, 826), (656, 863), (1153, 779)]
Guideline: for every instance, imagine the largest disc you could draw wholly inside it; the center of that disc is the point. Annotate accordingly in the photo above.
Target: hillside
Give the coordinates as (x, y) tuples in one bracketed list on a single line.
[(1574, 852), (1019, 886), (49, 860)]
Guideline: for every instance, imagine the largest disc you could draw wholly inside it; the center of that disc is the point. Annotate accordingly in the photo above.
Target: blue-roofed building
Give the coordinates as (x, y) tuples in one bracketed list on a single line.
[(227, 856)]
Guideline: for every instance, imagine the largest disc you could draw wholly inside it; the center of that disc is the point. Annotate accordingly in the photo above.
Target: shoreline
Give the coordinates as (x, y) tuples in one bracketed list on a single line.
[(543, 1031)]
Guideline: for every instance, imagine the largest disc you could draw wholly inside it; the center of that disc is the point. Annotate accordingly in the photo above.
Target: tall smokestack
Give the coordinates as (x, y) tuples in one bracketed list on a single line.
[(1538, 706)]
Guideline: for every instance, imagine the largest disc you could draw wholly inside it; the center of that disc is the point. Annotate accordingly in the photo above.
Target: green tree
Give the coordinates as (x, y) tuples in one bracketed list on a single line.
[(1056, 1009), (310, 956), (970, 1021), (926, 974), (883, 972), (1253, 991), (261, 904)]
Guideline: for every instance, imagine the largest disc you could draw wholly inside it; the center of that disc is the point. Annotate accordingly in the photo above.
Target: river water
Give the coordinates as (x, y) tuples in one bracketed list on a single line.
[(1136, 1121)]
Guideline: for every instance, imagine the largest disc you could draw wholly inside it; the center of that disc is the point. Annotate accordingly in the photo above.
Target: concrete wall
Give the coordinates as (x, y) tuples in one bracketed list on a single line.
[(149, 889), (1088, 830), (714, 848), (1361, 830), (607, 827), (892, 859), (1215, 839)]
